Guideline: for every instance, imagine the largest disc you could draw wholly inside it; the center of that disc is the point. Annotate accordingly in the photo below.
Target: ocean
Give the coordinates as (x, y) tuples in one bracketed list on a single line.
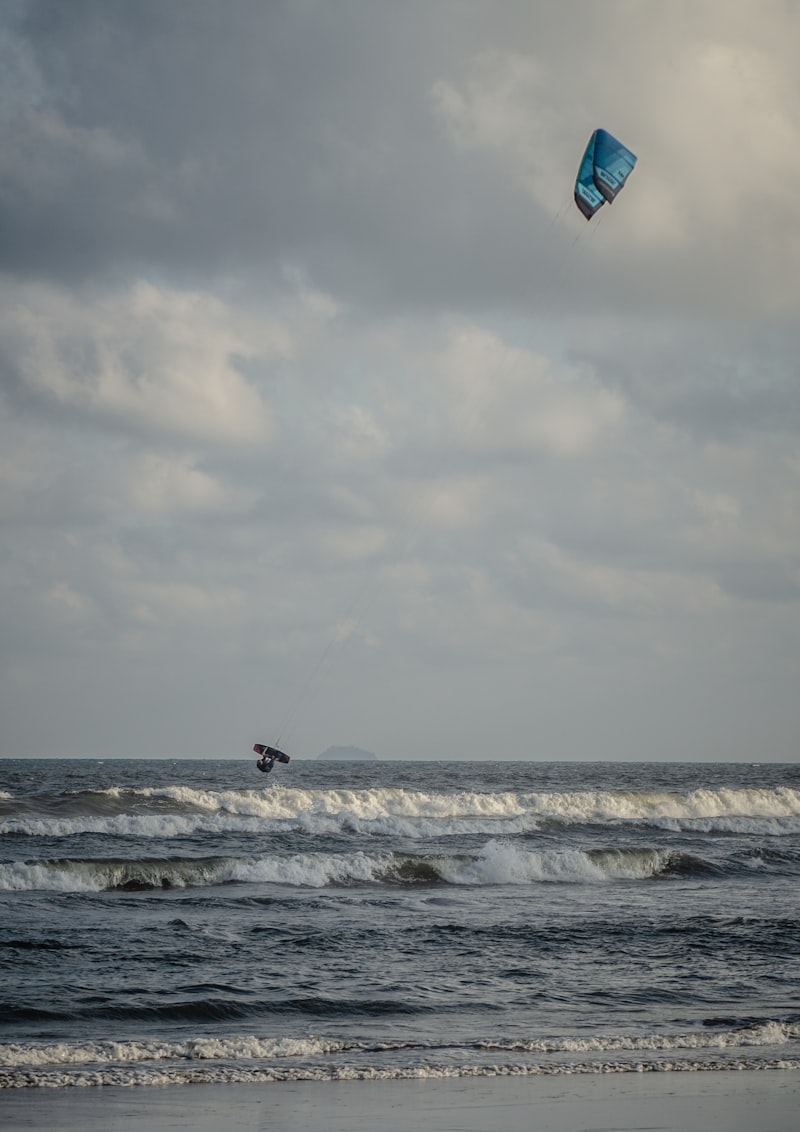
[(196, 921)]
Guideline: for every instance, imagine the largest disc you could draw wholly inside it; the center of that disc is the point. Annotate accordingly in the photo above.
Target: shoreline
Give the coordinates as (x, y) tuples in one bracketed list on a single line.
[(718, 1101)]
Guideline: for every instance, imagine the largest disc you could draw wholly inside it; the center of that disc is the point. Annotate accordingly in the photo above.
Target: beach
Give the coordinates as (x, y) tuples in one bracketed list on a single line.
[(632, 1102)]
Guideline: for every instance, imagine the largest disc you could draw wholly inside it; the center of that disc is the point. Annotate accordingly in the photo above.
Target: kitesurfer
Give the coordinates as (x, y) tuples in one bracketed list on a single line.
[(268, 756)]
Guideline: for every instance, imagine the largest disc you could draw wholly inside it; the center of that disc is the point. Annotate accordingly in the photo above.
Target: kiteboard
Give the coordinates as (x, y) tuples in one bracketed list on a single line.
[(271, 752)]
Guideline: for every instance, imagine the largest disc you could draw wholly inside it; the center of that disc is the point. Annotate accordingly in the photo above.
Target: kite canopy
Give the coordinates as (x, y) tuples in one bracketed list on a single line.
[(604, 169)]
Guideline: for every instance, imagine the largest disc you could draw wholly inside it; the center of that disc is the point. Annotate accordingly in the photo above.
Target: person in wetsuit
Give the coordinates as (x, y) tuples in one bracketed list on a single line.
[(268, 756)]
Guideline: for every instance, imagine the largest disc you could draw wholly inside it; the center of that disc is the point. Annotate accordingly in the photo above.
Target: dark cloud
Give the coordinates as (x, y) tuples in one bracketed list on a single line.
[(196, 138), (722, 383), (190, 140)]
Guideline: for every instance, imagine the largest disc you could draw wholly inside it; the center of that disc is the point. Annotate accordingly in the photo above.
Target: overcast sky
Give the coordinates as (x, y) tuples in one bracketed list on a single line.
[(326, 418)]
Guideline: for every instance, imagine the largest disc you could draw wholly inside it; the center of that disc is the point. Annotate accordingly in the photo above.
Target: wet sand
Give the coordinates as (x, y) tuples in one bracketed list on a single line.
[(632, 1102)]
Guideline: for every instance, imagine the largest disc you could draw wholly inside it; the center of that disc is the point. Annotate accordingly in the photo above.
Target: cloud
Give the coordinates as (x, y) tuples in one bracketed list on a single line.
[(307, 353), (164, 485), (708, 110), (632, 592), (506, 399), (502, 109), (148, 359)]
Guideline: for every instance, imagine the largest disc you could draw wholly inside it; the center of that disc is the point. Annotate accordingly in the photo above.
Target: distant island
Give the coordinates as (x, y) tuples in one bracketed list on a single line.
[(348, 754)]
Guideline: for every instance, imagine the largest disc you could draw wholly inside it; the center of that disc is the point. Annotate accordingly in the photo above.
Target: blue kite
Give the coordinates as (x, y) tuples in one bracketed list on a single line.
[(605, 168)]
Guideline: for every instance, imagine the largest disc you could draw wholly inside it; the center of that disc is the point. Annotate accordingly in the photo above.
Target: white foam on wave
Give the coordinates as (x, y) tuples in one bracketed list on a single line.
[(21, 876), (243, 1047), (506, 863), (237, 1075), (379, 803), (313, 870), (600, 806), (387, 813), (230, 1059), (131, 825), (768, 1033), (240, 1047), (768, 826), (393, 812), (305, 870), (499, 863), (284, 802)]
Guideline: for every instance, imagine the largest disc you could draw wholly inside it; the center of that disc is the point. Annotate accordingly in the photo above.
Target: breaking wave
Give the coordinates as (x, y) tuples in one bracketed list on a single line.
[(498, 863), (180, 811), (242, 1059)]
